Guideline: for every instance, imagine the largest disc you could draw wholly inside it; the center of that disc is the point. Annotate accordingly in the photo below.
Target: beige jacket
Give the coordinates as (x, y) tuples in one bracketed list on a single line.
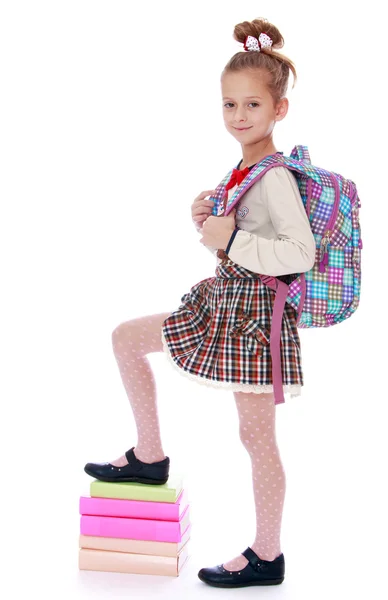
[(275, 237)]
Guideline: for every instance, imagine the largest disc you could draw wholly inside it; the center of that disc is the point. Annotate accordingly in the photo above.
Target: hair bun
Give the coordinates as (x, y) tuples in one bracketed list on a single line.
[(255, 28), (269, 59)]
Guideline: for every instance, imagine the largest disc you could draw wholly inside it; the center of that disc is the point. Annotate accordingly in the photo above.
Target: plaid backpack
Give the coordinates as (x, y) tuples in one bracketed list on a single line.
[(330, 292)]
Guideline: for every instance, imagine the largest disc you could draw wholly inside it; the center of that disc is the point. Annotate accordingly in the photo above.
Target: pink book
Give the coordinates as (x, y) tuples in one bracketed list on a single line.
[(136, 509), (123, 562), (137, 529), (134, 546)]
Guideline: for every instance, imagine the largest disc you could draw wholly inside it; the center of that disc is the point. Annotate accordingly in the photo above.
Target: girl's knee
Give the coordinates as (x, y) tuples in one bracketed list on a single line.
[(256, 437), (142, 334), (119, 333), (125, 335)]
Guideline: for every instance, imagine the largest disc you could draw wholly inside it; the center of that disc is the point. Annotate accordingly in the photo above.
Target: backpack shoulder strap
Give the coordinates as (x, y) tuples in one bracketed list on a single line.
[(259, 171)]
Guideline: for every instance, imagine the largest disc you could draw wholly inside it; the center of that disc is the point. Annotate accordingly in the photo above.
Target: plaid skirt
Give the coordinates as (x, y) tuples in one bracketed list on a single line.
[(220, 334)]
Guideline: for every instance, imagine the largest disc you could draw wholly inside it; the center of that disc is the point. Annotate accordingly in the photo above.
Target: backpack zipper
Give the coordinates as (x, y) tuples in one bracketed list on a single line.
[(356, 206), (325, 240)]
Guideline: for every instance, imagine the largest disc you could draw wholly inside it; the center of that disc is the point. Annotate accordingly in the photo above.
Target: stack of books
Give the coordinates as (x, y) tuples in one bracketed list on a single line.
[(135, 528)]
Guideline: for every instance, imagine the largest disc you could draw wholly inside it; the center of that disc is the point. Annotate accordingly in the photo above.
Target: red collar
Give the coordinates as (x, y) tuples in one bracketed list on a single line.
[(237, 177)]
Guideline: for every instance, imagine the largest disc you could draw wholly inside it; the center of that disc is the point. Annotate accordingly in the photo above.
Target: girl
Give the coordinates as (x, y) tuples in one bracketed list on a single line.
[(219, 335)]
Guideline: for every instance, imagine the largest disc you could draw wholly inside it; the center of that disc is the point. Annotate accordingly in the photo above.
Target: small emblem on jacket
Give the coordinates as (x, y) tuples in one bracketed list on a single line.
[(242, 212)]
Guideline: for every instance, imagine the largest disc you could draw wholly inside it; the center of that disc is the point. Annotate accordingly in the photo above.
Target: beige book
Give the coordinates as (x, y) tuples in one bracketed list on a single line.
[(135, 546), (125, 562)]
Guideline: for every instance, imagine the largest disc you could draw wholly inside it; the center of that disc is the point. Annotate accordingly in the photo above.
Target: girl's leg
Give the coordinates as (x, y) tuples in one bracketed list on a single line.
[(258, 434), (132, 340)]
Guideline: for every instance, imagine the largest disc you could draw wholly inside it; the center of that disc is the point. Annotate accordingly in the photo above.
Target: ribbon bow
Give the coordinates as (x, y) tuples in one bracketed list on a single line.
[(237, 177), (257, 44)]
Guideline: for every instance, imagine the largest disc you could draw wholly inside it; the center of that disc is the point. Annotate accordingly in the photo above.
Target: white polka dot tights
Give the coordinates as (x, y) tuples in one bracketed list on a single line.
[(257, 432), (132, 340)]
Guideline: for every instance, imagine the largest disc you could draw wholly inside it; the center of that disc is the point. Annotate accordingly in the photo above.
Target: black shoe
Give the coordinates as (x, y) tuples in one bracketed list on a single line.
[(137, 471), (257, 572)]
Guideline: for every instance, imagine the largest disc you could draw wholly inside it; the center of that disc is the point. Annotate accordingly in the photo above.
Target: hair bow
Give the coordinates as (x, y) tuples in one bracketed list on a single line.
[(257, 44)]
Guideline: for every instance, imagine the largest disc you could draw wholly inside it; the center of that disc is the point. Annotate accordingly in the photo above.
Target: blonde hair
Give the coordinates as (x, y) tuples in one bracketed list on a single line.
[(275, 63)]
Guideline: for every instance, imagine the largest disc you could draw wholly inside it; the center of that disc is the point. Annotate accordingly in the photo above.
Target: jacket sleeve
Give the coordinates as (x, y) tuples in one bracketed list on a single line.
[(294, 249)]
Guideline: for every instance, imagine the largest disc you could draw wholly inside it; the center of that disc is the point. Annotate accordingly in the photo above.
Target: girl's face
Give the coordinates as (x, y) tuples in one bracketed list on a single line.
[(248, 104)]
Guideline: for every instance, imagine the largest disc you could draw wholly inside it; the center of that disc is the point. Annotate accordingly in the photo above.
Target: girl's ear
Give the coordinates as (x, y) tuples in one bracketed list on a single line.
[(281, 109)]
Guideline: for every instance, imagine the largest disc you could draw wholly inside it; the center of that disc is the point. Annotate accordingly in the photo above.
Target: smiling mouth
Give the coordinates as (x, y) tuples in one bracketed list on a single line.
[(241, 128)]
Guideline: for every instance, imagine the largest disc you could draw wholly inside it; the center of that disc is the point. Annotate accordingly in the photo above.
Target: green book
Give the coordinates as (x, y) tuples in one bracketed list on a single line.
[(167, 492)]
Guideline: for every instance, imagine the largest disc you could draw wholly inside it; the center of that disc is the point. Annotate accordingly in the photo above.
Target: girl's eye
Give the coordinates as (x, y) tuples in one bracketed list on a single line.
[(257, 104)]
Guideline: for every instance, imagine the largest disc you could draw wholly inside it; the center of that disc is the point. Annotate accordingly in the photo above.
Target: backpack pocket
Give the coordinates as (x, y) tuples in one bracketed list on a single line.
[(254, 335)]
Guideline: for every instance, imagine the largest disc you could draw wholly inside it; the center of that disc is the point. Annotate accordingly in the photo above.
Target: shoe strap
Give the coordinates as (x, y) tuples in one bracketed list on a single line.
[(136, 463), (252, 557), (133, 461)]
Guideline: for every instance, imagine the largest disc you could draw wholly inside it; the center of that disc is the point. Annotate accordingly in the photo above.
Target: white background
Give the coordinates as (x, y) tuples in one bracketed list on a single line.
[(111, 125)]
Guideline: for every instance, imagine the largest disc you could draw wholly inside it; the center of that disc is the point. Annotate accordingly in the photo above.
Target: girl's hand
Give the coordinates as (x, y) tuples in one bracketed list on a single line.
[(201, 208), (216, 231)]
